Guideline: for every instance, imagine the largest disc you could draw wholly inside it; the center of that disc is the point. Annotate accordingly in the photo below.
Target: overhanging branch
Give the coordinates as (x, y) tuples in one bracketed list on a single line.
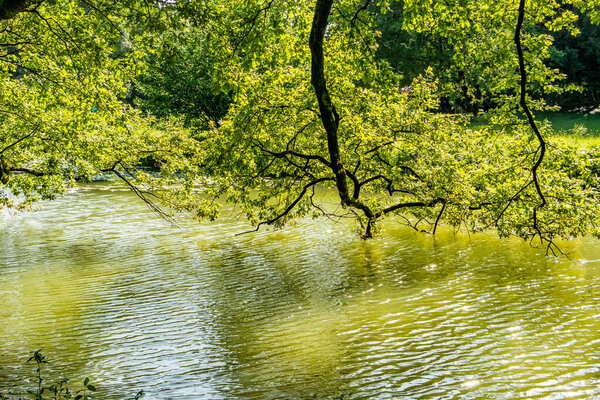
[(328, 114), (142, 194), (291, 206)]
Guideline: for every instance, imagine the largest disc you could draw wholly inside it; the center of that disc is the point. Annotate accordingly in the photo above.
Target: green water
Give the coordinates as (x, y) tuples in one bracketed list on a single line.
[(109, 291)]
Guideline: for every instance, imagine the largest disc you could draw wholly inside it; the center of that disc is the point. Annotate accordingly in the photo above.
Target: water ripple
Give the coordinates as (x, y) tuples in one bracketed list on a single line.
[(109, 291)]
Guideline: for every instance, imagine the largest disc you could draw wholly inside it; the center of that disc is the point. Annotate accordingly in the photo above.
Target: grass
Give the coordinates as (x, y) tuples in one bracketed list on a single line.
[(564, 121), (581, 130)]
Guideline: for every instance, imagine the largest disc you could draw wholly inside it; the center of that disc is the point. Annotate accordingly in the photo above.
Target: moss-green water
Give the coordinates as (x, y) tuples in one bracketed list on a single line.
[(194, 312)]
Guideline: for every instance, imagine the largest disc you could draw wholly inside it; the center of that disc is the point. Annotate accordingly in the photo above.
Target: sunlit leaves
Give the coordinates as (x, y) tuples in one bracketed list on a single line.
[(399, 153), (65, 71)]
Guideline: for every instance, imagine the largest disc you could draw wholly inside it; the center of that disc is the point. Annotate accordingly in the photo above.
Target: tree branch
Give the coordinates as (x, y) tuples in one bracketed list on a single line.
[(33, 132), (143, 195), (411, 204), (361, 9), (282, 154), (437, 220), (252, 22), (290, 207), (27, 171)]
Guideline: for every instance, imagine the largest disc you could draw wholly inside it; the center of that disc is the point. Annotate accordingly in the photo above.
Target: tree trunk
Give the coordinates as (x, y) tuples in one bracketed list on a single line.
[(329, 115)]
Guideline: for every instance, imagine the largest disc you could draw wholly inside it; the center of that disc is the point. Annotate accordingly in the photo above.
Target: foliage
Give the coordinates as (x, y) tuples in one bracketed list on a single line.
[(398, 154), (574, 52), (577, 57), (312, 105), (64, 71), (179, 82), (60, 390), (410, 53)]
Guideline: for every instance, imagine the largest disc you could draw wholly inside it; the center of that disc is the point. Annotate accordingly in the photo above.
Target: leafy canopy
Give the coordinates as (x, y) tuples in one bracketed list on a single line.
[(312, 106), (65, 69), (397, 152)]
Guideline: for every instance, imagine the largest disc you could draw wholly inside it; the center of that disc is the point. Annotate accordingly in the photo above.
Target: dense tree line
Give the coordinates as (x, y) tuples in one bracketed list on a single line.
[(578, 57), (575, 53)]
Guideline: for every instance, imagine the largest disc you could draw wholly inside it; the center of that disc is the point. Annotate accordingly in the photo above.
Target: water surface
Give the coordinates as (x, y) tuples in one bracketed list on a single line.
[(108, 290)]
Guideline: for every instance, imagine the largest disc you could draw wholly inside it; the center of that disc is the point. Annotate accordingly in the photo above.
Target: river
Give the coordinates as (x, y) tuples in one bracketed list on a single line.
[(108, 290)]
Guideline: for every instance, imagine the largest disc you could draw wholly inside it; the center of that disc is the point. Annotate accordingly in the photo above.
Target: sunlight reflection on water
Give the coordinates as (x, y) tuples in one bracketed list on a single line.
[(109, 291)]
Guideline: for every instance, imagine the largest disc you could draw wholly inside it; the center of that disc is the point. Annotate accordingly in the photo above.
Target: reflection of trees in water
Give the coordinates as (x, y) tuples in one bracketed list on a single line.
[(408, 309), (276, 320)]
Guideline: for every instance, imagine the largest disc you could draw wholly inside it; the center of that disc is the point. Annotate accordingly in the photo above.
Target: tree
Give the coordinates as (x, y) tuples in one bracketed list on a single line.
[(465, 84), (386, 152), (577, 57), (64, 71), (10, 8), (179, 81), (410, 53), (314, 107)]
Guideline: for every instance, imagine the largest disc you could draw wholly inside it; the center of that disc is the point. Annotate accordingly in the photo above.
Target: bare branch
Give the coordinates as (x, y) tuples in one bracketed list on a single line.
[(291, 206), (142, 194)]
